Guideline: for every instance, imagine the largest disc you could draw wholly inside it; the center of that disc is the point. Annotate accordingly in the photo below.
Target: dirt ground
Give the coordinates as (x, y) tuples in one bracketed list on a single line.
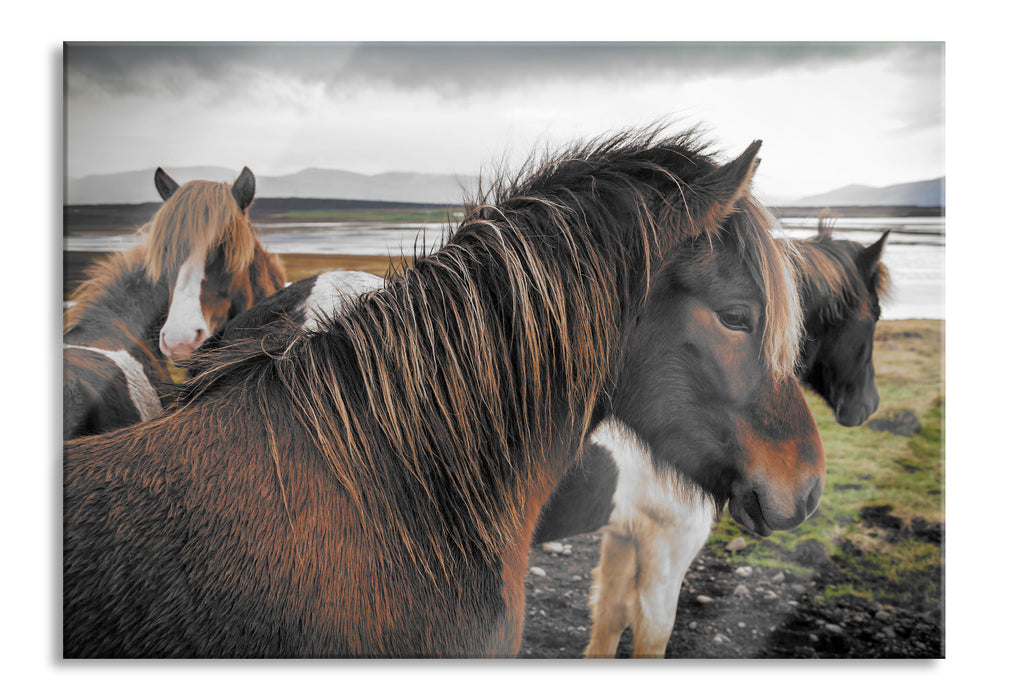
[(780, 618)]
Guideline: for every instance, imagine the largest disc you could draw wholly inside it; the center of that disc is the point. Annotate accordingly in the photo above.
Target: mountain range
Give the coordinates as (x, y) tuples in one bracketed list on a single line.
[(137, 186), (923, 193)]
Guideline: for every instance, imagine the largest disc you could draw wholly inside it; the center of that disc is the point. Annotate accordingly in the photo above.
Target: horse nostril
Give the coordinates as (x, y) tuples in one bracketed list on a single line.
[(813, 497)]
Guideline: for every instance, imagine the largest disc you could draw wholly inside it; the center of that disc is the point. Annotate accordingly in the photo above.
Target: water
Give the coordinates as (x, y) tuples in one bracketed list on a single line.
[(915, 253)]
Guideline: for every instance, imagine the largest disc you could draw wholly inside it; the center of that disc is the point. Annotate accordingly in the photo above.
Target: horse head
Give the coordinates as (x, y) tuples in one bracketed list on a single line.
[(707, 379), (842, 311), (203, 237)]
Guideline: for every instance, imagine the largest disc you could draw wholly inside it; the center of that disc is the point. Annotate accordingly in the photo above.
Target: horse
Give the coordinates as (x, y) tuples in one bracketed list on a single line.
[(199, 264), (301, 306), (654, 525), (370, 488)]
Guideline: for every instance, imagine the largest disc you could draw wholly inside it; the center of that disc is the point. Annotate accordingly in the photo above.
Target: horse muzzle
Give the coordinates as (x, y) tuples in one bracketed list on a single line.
[(853, 411), (763, 509), (180, 347)]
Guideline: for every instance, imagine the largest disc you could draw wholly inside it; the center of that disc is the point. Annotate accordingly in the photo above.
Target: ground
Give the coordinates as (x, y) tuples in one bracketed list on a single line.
[(784, 616)]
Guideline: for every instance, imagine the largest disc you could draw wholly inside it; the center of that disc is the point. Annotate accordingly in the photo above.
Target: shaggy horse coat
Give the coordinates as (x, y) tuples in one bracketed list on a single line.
[(371, 488)]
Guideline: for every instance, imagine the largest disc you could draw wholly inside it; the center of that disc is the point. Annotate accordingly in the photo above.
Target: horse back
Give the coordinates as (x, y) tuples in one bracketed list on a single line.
[(177, 548)]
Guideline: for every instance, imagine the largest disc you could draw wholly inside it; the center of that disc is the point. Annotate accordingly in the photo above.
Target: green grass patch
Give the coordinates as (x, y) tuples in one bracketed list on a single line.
[(866, 468)]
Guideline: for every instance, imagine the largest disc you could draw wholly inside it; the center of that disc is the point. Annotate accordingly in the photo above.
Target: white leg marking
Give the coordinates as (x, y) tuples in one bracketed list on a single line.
[(142, 392), (663, 523)]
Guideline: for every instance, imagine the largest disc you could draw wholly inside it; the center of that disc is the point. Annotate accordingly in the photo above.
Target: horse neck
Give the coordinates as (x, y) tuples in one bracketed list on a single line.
[(123, 310)]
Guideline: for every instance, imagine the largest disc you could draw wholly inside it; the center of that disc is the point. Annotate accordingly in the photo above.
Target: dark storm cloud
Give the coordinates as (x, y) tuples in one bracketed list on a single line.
[(450, 69)]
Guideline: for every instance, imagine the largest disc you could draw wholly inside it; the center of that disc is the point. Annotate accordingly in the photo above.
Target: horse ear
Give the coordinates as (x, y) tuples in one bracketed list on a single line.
[(714, 196), (165, 185), (244, 188), (869, 257), (824, 230)]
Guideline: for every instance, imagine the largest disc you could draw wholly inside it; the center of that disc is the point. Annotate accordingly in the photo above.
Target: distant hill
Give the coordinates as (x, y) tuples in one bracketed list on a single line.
[(924, 193), (137, 187)]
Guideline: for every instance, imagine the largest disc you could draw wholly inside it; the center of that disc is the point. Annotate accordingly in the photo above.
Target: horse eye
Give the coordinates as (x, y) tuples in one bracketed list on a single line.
[(736, 318)]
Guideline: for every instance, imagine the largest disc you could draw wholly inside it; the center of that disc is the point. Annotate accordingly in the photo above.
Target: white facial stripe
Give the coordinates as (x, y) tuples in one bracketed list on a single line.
[(185, 316)]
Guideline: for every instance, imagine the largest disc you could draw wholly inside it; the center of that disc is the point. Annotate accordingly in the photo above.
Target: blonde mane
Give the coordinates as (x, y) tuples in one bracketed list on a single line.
[(200, 216)]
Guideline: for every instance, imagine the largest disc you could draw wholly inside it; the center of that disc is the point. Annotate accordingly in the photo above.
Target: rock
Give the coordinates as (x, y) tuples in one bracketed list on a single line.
[(879, 516), (741, 590), (836, 629), (537, 571), (744, 571), (848, 487), (554, 547), (930, 532), (811, 553), (692, 625), (902, 422), (778, 577), (770, 595), (736, 544), (704, 600), (720, 639)]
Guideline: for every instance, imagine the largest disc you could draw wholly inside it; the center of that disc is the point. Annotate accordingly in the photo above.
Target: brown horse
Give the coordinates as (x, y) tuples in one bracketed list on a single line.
[(200, 264), (656, 526), (371, 487)]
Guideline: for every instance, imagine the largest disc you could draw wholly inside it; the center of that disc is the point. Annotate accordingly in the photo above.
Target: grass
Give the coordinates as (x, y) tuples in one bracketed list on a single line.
[(301, 265), (869, 468)]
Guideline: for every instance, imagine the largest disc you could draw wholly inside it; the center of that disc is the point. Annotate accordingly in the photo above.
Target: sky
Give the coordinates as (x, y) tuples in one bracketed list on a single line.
[(830, 114)]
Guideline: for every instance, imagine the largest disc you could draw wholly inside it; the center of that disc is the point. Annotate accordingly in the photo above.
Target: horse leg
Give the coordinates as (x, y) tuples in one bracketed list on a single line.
[(664, 554), (611, 594)]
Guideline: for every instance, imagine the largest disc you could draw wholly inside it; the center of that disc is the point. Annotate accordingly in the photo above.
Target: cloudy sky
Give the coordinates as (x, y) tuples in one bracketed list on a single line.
[(830, 114)]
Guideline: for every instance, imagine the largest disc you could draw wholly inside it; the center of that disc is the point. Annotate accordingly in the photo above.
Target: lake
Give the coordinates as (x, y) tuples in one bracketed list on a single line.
[(915, 252)]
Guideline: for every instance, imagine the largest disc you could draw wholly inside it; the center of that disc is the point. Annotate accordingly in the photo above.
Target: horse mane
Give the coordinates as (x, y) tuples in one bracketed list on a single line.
[(828, 272), (100, 275), (197, 217), (428, 386), (775, 276)]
